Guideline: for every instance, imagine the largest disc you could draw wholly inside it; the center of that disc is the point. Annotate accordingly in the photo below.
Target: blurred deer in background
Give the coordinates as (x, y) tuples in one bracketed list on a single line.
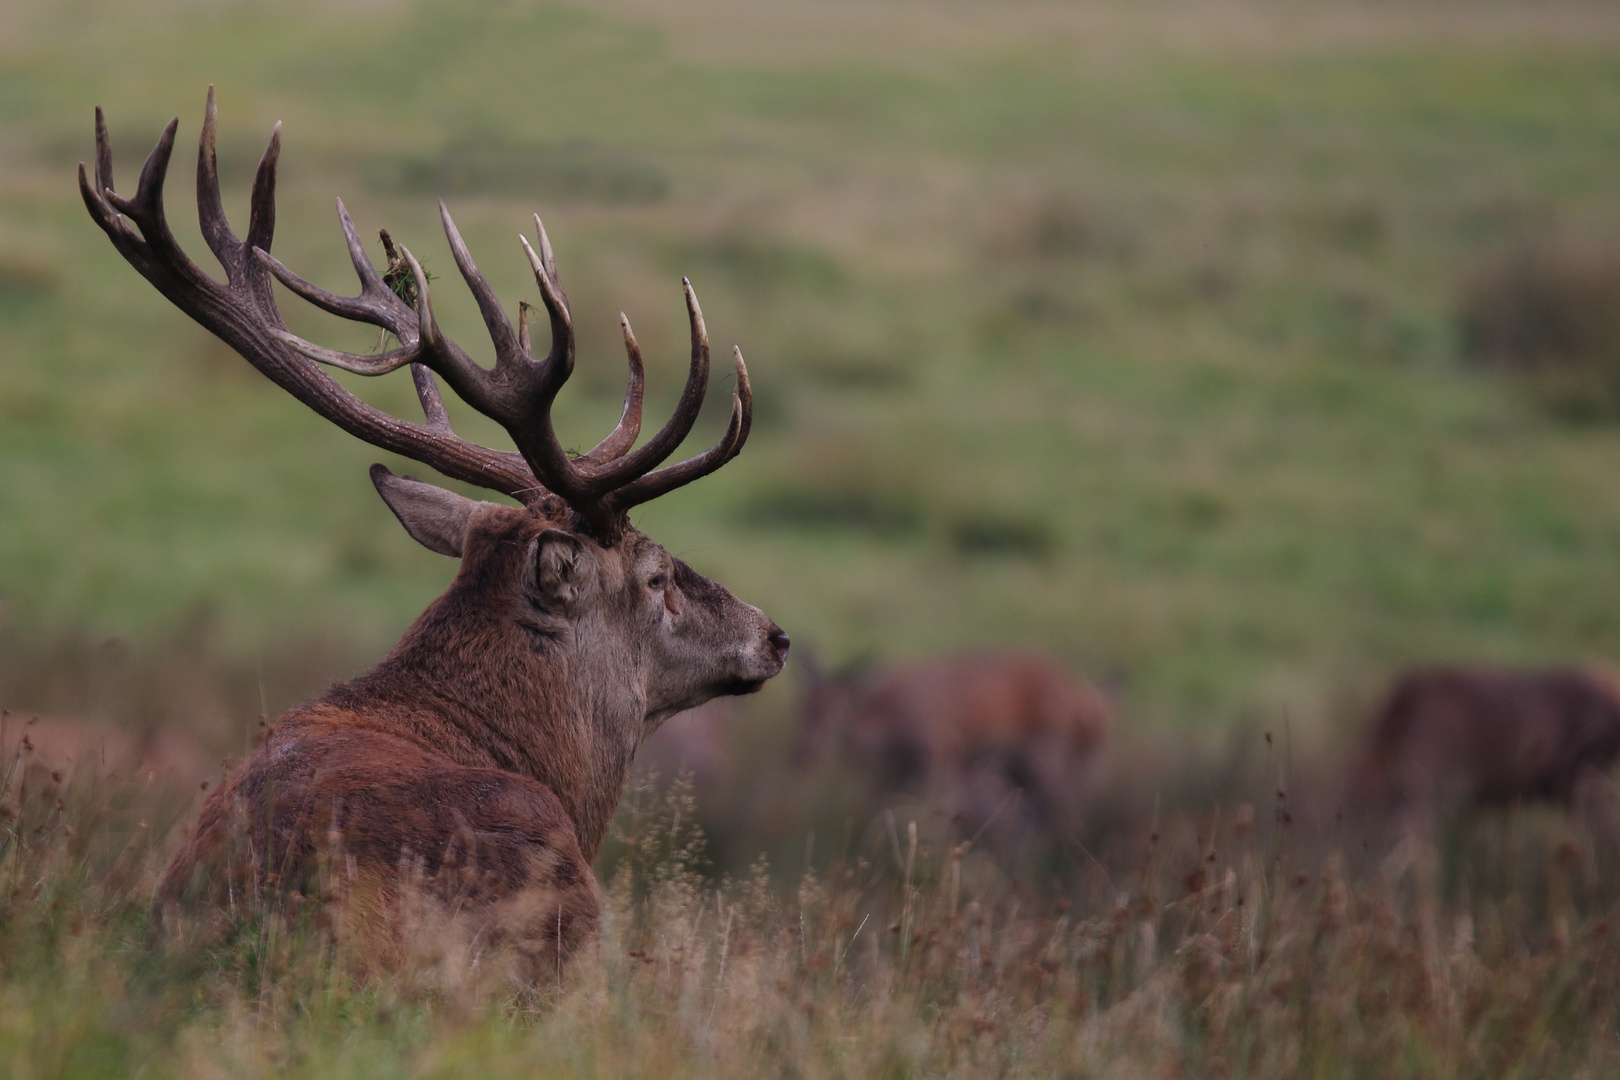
[(483, 757), (986, 733), (696, 742), (46, 752), (1449, 737)]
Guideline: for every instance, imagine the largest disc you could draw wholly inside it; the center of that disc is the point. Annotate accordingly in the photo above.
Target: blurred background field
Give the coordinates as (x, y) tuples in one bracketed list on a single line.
[(1235, 353)]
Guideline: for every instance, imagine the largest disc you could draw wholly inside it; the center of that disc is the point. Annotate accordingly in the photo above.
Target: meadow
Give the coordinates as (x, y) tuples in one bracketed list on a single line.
[(1130, 332)]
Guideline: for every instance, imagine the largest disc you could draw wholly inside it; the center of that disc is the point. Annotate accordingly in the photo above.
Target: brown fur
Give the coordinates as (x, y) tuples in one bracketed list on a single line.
[(976, 729), (1459, 736), (480, 762)]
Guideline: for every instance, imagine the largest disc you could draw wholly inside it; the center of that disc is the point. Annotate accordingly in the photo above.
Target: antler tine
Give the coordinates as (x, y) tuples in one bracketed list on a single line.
[(548, 260), (518, 393), (376, 304), (495, 399), (262, 203), (377, 364), (427, 392), (111, 210), (231, 252), (646, 488), (623, 437), (427, 327), (551, 294), (104, 164), (145, 209), (371, 282), (644, 459), (362, 308), (117, 227), (140, 236), (154, 252), (507, 353), (533, 430), (210, 205), (431, 348), (590, 484), (743, 399)]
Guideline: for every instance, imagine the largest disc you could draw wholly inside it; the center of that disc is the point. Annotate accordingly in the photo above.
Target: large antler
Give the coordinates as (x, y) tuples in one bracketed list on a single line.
[(601, 485)]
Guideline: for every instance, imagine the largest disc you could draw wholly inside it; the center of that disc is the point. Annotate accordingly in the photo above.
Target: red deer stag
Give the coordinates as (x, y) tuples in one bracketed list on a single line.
[(483, 757), (1450, 737), (975, 730)]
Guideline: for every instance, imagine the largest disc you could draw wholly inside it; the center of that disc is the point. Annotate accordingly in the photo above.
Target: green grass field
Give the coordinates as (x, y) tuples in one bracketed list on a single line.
[(1124, 331), (1212, 946)]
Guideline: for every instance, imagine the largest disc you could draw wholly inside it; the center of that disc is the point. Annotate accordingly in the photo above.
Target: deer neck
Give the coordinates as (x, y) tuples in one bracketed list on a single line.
[(495, 693)]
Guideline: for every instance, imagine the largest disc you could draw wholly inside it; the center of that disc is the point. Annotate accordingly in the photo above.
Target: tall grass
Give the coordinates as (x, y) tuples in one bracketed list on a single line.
[(1200, 943)]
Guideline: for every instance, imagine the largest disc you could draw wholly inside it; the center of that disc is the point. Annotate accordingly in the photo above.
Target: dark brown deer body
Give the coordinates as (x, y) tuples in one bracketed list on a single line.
[(1459, 736), (477, 766), (975, 729)]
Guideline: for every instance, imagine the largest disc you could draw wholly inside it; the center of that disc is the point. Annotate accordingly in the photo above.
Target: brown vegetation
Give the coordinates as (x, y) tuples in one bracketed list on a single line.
[(1196, 944), (1548, 312)]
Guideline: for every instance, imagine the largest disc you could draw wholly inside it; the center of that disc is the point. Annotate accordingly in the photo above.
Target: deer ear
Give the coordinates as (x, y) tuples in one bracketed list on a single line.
[(565, 572), (437, 519)]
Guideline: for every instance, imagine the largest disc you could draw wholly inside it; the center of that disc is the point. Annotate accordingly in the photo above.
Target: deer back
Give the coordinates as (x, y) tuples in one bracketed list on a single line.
[(1460, 735)]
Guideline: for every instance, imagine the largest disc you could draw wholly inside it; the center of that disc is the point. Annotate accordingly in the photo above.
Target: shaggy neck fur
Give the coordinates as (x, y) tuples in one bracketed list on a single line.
[(486, 678)]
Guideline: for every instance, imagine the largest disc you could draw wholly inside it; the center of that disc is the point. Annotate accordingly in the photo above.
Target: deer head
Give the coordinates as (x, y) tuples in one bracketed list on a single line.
[(624, 621)]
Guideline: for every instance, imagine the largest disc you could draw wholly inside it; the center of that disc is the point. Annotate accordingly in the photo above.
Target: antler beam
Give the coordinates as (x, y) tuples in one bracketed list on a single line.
[(518, 392)]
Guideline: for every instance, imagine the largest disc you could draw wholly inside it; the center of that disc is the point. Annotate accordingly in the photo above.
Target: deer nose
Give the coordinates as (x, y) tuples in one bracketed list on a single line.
[(778, 641)]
